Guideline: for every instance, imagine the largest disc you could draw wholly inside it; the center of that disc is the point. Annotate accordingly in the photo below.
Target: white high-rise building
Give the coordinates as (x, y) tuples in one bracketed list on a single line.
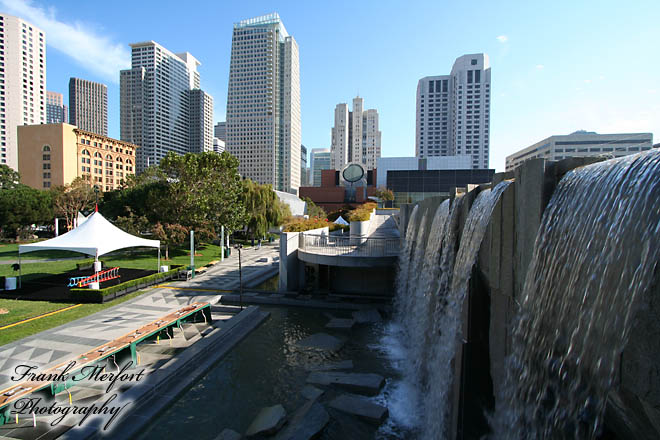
[(22, 82), (161, 104), (263, 103), (355, 136), (453, 112)]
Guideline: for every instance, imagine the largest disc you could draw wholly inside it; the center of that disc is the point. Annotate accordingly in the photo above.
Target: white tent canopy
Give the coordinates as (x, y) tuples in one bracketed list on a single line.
[(96, 236), (340, 221)]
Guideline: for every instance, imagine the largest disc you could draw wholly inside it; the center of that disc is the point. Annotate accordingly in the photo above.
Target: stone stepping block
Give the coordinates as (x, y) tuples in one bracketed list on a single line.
[(268, 422), (311, 393), (322, 341), (367, 316), (364, 383), (306, 423), (360, 407), (340, 324), (341, 365), (228, 434)]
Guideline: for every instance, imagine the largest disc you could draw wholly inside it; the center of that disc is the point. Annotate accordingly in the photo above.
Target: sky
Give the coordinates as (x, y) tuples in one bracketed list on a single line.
[(556, 67)]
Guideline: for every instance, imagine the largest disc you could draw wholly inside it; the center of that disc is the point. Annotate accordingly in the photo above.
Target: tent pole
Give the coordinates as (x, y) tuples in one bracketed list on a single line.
[(19, 271), (158, 268)]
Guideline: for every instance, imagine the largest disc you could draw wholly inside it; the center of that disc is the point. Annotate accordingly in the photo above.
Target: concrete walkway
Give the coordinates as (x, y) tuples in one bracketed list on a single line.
[(59, 344), (383, 226)]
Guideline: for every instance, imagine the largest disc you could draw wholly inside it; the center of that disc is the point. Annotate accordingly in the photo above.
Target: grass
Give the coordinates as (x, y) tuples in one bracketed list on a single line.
[(30, 328), (9, 251), (137, 259), (22, 309)]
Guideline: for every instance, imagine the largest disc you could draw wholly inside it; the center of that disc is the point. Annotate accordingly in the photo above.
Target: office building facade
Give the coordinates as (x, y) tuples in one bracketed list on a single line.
[(581, 144), (319, 159), (22, 82), (304, 177), (453, 112), (201, 121), (56, 111), (220, 131), (355, 136), (155, 103), (88, 105), (55, 154), (263, 103)]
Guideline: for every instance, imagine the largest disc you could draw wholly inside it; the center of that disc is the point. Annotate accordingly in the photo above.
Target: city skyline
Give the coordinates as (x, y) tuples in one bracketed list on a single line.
[(546, 82)]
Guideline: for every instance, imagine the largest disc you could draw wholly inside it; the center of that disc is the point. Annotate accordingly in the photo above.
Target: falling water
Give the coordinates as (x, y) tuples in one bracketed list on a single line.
[(595, 253), (438, 396), (406, 258), (429, 301), (423, 295)]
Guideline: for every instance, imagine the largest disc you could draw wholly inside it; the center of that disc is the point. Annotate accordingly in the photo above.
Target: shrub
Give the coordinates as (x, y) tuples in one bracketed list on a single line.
[(96, 296), (300, 225), (335, 226), (361, 213)]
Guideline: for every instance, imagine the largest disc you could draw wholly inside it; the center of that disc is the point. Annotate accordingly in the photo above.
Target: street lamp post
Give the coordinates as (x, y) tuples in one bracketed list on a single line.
[(238, 247)]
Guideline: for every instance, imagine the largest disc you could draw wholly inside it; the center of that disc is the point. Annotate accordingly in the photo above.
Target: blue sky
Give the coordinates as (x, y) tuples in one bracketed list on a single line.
[(556, 68)]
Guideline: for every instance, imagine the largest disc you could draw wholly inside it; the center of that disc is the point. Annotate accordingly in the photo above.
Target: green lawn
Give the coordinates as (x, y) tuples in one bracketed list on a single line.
[(140, 259), (21, 309), (9, 251)]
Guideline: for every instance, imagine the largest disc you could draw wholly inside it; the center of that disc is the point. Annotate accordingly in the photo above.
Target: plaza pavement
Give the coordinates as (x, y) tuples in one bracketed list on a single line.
[(59, 344)]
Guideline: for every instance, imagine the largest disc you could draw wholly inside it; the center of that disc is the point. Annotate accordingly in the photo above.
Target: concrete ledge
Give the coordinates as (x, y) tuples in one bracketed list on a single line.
[(165, 384), (280, 300), (346, 260)]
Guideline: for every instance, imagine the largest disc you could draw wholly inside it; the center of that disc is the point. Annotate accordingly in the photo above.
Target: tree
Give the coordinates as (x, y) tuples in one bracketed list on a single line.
[(142, 196), (203, 189), (70, 199), (8, 177), (133, 224), (385, 194), (263, 208), (170, 235), (22, 206), (313, 210)]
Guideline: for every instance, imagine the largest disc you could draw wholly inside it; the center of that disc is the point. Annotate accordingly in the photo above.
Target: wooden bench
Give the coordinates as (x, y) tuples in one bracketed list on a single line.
[(126, 344)]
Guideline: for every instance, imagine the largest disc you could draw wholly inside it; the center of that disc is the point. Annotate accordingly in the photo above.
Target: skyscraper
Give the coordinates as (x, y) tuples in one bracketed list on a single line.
[(453, 112), (355, 136), (201, 121), (160, 98), (22, 81), (56, 111), (319, 159), (88, 105), (220, 131), (263, 103)]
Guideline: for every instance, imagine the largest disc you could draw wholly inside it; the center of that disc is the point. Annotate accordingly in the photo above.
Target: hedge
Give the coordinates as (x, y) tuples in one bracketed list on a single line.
[(97, 296)]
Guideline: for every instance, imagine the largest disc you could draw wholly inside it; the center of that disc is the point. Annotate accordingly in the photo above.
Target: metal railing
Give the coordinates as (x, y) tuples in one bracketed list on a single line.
[(337, 245)]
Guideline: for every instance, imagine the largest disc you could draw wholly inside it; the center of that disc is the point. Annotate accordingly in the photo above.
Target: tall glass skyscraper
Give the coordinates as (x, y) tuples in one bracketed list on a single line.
[(263, 103)]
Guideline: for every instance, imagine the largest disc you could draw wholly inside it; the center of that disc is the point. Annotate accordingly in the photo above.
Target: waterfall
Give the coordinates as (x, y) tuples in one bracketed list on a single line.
[(596, 251), (424, 293), (430, 294)]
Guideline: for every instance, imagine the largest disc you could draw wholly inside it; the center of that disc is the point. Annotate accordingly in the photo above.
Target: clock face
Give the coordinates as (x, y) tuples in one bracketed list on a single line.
[(353, 173)]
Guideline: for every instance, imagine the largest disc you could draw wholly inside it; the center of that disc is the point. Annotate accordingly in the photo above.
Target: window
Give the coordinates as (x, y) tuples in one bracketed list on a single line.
[(46, 157), (473, 62), (469, 76), (46, 148)]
